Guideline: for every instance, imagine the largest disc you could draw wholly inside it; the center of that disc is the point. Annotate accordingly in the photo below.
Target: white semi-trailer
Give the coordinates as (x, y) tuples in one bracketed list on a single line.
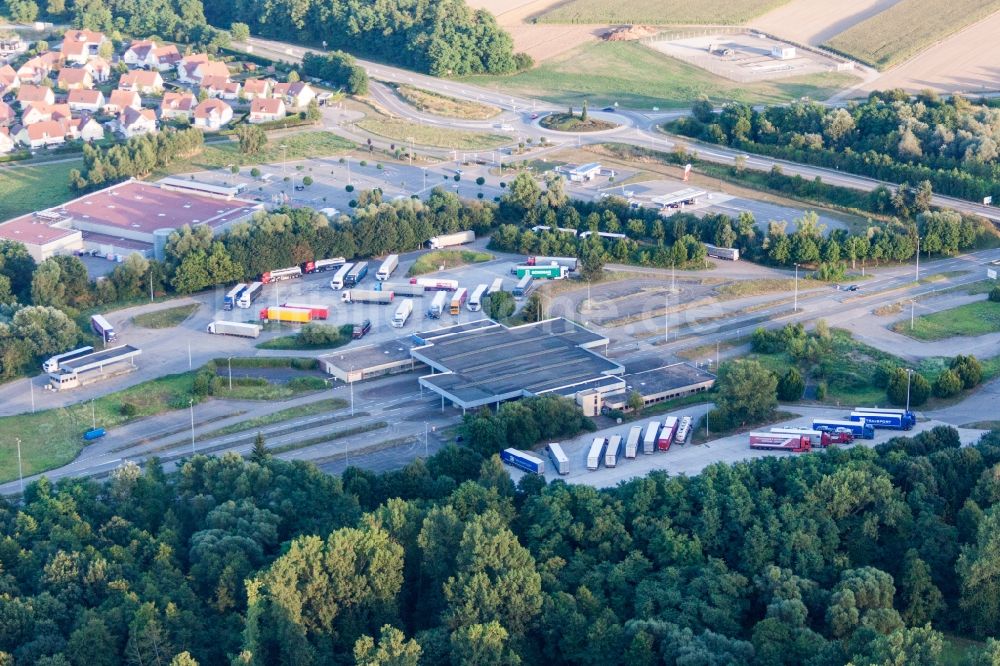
[(403, 313), (236, 328)]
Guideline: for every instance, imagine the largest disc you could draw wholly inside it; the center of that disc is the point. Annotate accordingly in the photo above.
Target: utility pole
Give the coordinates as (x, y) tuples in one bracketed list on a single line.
[(917, 275), (716, 355), (20, 469), (425, 440), (150, 286), (666, 319), (909, 375), (189, 356), (795, 308), (913, 304), (93, 415), (230, 361), (191, 405)]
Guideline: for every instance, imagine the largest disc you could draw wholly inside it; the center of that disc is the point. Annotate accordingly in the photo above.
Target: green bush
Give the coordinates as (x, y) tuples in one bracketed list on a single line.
[(319, 335), (995, 294), (128, 409), (307, 181), (790, 386), (947, 384), (969, 370)]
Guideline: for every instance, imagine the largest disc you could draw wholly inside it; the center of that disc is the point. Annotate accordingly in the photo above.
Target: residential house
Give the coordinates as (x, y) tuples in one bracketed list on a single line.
[(187, 64), (8, 79), (79, 45), (12, 45), (85, 100), (72, 78), (177, 105), (34, 70), (221, 87), (43, 134), (7, 115), (141, 81), (165, 58), (40, 112), (192, 69), (99, 68), (134, 122), (29, 94), (212, 114), (6, 140), (138, 53), (296, 95), (84, 128), (266, 110), (122, 99), (254, 88)]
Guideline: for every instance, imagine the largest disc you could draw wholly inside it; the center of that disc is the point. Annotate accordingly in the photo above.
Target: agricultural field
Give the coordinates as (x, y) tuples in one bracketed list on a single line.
[(443, 105), (815, 21), (426, 135), (596, 73), (660, 12), (539, 40), (972, 319), (907, 28), (25, 189)]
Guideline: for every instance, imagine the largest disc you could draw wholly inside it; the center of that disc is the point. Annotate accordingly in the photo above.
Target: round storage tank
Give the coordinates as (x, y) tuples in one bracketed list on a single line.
[(160, 237)]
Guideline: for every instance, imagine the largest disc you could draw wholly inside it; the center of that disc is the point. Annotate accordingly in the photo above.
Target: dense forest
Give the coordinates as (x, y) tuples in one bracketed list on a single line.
[(859, 556), (950, 142)]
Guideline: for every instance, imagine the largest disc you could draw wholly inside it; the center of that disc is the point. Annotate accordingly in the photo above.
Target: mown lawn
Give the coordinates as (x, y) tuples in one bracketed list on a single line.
[(432, 261), (636, 76), (299, 145), (30, 188), (971, 319), (431, 135), (167, 318)]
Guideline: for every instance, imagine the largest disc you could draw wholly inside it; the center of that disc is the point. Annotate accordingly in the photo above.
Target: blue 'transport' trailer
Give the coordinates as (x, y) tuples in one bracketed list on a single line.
[(94, 433), (898, 419), (522, 460), (860, 429)]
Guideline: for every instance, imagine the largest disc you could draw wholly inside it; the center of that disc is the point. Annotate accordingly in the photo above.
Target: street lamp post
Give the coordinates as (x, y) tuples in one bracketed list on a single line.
[(909, 375), (913, 305), (795, 308), (20, 470), (230, 361), (191, 406), (916, 277)]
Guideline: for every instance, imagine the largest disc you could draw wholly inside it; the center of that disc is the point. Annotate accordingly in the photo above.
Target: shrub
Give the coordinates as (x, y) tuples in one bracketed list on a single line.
[(920, 388), (128, 409), (349, 188), (947, 384), (319, 335), (480, 181), (255, 172), (995, 294), (790, 386), (969, 370), (363, 163), (307, 181)]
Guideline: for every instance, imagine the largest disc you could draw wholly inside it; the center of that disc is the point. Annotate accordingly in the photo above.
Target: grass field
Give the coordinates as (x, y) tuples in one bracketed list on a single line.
[(426, 135), (167, 318), (52, 438), (756, 287), (563, 122), (970, 320), (432, 261), (301, 145), (638, 77), (907, 28), (286, 342), (313, 408), (27, 189), (443, 105), (660, 12)]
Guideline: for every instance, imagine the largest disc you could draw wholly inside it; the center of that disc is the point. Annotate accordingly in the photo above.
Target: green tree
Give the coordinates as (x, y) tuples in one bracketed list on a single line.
[(45, 330), (239, 31), (969, 370), (292, 77), (523, 193), (392, 649), (920, 597), (583, 112), (995, 295), (500, 305), (260, 453), (183, 659), (532, 310), (482, 645), (919, 388), (747, 392), (790, 386), (978, 570), (635, 401), (252, 139), (947, 384)]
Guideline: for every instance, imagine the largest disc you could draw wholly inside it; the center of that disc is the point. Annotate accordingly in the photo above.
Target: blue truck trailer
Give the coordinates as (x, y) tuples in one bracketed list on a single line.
[(522, 460), (895, 419), (860, 429)]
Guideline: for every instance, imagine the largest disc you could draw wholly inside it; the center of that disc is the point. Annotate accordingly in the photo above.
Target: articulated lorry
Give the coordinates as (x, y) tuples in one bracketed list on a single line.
[(403, 313), (450, 240), (103, 328), (367, 296), (437, 306), (770, 441), (249, 295), (229, 301), (522, 460), (569, 262), (894, 419), (387, 267), (236, 328), (400, 288), (286, 315), (53, 364), (817, 438), (317, 311), (667, 433), (858, 429), (290, 273), (435, 284)]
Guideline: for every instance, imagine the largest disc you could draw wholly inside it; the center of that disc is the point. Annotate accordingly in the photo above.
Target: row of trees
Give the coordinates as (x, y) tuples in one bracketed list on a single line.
[(338, 68), (135, 158), (950, 142), (862, 556), (441, 37)]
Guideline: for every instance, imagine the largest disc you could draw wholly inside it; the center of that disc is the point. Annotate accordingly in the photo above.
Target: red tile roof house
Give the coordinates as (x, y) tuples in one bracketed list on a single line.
[(39, 111), (37, 69), (29, 94), (166, 57), (254, 88), (85, 100), (8, 79), (120, 99), (177, 105), (141, 81), (7, 115), (85, 128), (134, 123), (99, 68), (193, 71), (212, 114), (221, 87), (138, 53), (43, 134), (74, 79), (79, 45), (266, 110), (296, 95)]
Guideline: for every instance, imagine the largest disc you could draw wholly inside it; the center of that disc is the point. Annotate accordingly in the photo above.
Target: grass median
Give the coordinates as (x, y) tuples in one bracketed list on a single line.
[(432, 261), (167, 318), (400, 130), (443, 105), (969, 320)]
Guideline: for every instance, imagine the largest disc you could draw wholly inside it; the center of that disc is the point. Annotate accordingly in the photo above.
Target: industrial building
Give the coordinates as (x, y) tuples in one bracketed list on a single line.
[(659, 384), (486, 364), (133, 216), (385, 358), (584, 172)]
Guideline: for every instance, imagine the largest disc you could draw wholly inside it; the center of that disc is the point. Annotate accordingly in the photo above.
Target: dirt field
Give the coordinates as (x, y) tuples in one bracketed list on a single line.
[(965, 62), (541, 42), (815, 21)]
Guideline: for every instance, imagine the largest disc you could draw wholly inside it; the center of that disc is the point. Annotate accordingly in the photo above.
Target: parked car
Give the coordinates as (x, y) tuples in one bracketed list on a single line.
[(360, 329)]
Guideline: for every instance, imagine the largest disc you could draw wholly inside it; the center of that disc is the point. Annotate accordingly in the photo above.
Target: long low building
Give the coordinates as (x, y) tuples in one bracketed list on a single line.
[(133, 216), (488, 363), (660, 384)]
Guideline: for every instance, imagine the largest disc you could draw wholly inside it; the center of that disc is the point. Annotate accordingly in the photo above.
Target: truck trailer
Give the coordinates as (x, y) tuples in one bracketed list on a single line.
[(569, 262), (286, 315), (250, 295), (280, 274), (559, 458), (53, 364), (858, 429), (632, 441), (323, 265), (437, 306), (367, 296), (595, 453), (896, 419), (523, 287), (236, 328), (523, 461), (817, 438), (727, 253), (229, 300), (387, 267), (683, 430), (356, 274), (103, 328), (496, 286), (649, 438), (551, 272), (450, 240), (458, 300), (403, 313), (318, 311), (400, 288), (613, 451), (667, 433), (770, 441), (337, 282), (435, 284), (475, 303)]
